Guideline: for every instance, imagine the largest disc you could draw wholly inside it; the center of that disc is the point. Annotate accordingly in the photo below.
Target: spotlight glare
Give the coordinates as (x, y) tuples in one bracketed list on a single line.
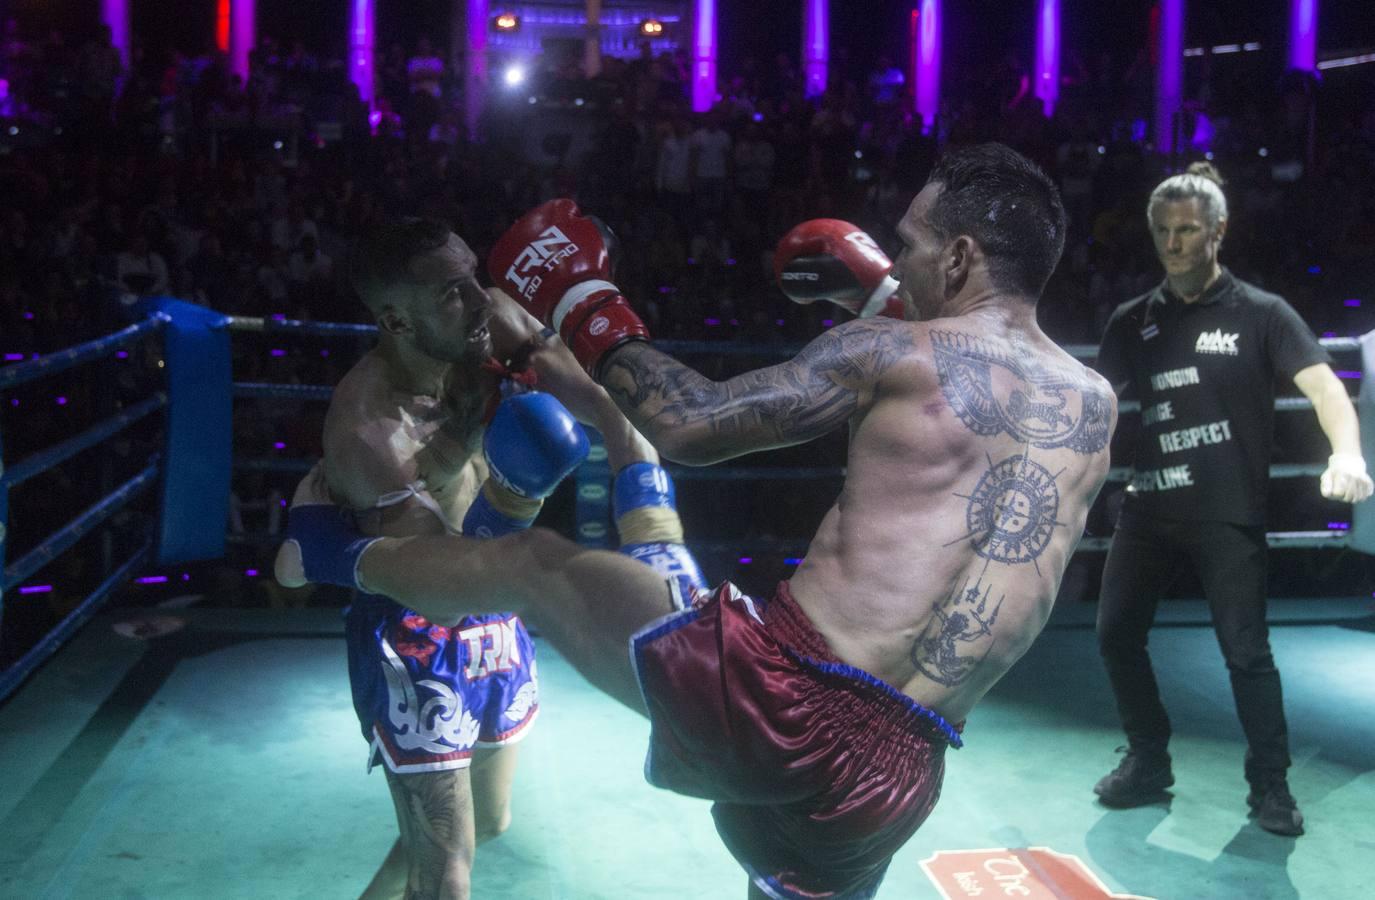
[(514, 76), (652, 28), (506, 22)]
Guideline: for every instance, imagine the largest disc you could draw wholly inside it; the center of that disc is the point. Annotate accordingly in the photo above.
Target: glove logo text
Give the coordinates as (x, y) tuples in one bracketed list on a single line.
[(543, 253), (867, 246)]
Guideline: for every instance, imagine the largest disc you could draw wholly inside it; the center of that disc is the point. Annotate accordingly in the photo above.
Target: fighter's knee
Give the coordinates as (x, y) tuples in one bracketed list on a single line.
[(492, 826)]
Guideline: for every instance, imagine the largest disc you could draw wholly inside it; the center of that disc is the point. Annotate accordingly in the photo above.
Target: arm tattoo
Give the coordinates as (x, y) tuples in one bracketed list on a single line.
[(1046, 408), (1012, 512), (804, 398), (962, 622)]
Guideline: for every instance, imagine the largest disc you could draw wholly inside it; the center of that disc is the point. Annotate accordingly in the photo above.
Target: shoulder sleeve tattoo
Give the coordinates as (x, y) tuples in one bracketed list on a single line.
[(1045, 408), (804, 398)]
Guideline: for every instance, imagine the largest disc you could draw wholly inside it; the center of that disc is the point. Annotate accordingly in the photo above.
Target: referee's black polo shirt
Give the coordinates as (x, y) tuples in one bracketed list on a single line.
[(1205, 373)]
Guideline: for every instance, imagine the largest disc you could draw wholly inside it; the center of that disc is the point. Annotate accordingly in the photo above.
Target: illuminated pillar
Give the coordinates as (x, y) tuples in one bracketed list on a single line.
[(1048, 54), (362, 22), (115, 13), (241, 36), (1303, 35), (1169, 74), (703, 55), (592, 44), (475, 65), (222, 25), (926, 50), (816, 40)]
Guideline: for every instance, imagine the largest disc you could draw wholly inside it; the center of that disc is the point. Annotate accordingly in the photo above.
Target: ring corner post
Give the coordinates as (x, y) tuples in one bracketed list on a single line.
[(197, 456)]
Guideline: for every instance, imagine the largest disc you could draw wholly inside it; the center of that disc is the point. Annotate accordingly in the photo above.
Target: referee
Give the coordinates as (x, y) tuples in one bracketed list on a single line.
[(1203, 352)]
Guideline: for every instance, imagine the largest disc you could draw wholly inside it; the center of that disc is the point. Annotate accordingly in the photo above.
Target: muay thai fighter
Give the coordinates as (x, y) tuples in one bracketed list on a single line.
[(816, 720)]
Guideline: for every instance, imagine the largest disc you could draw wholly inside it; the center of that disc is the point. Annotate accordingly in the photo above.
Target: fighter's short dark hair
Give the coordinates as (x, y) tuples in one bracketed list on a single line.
[(379, 259), (1009, 206)]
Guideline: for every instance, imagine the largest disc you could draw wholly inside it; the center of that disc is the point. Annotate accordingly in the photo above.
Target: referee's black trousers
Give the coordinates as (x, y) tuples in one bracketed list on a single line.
[(1230, 560)]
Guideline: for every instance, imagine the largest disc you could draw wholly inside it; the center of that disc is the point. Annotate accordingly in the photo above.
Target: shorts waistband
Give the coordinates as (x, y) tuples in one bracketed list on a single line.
[(789, 625)]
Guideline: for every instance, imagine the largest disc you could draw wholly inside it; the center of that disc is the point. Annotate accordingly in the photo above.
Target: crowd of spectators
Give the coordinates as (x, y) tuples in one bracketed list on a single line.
[(173, 177)]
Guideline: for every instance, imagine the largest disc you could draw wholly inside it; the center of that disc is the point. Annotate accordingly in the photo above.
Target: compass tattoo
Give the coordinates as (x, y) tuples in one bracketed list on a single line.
[(1048, 408), (1012, 511)]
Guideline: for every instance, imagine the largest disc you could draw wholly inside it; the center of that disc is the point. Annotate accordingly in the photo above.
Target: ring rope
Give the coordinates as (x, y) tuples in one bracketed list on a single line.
[(259, 390), (19, 373), (11, 677), (724, 348), (59, 453), (78, 527)]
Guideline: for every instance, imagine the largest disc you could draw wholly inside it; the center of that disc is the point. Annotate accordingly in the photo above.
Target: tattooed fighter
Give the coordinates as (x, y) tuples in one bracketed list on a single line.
[(817, 720)]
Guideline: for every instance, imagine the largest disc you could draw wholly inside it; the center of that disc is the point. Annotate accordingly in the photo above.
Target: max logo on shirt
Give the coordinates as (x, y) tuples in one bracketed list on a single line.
[(1217, 342)]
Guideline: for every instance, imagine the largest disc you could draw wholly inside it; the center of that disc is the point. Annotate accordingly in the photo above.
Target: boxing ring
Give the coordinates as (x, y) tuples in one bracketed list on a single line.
[(178, 496)]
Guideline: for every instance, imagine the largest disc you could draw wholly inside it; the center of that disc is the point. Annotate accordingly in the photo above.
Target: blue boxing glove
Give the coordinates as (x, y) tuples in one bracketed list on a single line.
[(330, 544), (646, 514), (531, 444)]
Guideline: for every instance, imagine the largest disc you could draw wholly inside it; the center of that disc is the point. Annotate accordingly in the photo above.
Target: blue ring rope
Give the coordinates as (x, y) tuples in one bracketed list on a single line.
[(248, 390), (723, 348), (19, 373), (13, 676), (78, 527), (59, 453), (290, 466)]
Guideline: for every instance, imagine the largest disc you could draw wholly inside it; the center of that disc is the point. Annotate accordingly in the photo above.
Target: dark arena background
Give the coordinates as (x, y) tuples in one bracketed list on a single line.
[(181, 184)]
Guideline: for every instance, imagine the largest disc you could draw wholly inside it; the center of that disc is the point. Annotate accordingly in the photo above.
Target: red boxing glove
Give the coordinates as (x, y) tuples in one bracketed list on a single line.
[(555, 263), (827, 259)]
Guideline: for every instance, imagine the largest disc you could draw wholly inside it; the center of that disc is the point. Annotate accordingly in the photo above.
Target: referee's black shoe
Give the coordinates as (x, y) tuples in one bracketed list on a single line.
[(1274, 808), (1140, 778)]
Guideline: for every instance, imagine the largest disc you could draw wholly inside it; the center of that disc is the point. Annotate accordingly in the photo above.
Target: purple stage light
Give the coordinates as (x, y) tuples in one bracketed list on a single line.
[(14, 357), (704, 56), (746, 560), (251, 573), (279, 445), (361, 30), (151, 579), (927, 52), (816, 39), (36, 589), (1349, 374), (1303, 35), (1169, 74), (277, 352), (61, 401), (115, 13), (475, 65), (1352, 302), (1048, 54), (242, 35)]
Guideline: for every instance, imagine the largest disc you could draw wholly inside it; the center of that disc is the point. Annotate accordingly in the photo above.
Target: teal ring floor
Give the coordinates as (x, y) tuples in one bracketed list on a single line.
[(225, 762)]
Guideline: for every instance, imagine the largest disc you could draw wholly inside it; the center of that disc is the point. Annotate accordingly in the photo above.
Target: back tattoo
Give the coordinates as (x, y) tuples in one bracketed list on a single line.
[(1047, 408)]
